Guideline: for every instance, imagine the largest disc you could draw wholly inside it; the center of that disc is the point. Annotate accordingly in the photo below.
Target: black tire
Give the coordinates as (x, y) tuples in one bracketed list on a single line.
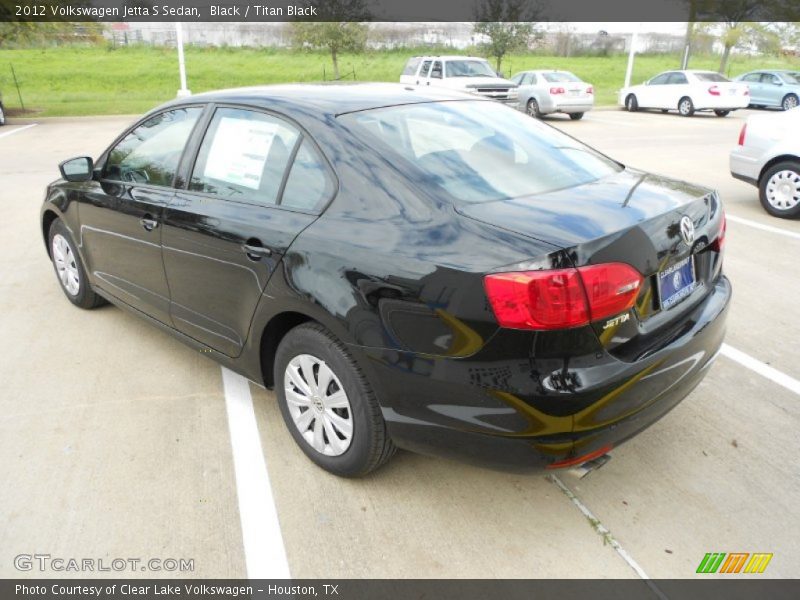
[(631, 103), (722, 113), (686, 106), (532, 108), (576, 116), (370, 445), (85, 296), (2, 115), (789, 102), (791, 166)]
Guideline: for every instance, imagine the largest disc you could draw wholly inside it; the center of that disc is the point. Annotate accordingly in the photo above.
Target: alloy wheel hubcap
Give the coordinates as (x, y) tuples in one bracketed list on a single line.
[(790, 102), (685, 106), (318, 405), (66, 267), (532, 108), (783, 190)]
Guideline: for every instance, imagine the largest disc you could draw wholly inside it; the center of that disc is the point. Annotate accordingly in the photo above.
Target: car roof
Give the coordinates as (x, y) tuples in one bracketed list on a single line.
[(326, 99)]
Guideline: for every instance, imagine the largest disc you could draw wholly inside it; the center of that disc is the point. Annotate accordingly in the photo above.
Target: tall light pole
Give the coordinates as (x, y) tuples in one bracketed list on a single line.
[(183, 92), (631, 52)]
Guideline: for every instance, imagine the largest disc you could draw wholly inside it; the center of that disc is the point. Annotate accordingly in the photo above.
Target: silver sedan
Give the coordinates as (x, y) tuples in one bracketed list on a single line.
[(545, 92)]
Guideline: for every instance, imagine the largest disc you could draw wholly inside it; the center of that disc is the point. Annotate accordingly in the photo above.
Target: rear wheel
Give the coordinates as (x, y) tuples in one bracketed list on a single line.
[(69, 269), (576, 116), (686, 107), (722, 113), (779, 190), (631, 104), (789, 102), (327, 403), (533, 109)]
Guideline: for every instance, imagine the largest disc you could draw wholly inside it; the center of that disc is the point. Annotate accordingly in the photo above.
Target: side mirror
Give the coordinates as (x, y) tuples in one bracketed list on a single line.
[(77, 169)]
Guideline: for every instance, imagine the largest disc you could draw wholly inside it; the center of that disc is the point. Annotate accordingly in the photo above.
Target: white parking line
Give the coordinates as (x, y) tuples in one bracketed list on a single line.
[(603, 531), (265, 554), (17, 130), (763, 369), (757, 225)]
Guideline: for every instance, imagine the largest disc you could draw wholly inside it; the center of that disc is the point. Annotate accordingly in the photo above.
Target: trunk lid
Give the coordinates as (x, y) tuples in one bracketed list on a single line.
[(631, 217)]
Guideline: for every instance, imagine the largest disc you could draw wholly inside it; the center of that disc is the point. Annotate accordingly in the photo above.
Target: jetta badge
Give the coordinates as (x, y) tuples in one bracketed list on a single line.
[(687, 230)]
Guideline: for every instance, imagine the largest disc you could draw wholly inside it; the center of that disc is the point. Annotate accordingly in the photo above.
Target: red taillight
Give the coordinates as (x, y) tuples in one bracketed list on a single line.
[(742, 134), (557, 90), (714, 90), (590, 90), (718, 244), (562, 298)]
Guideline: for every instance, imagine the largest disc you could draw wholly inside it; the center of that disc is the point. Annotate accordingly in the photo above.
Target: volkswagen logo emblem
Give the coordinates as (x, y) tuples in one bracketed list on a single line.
[(687, 230)]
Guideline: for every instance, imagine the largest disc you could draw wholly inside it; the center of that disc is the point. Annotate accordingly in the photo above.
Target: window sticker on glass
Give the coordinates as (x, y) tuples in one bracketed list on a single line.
[(239, 151)]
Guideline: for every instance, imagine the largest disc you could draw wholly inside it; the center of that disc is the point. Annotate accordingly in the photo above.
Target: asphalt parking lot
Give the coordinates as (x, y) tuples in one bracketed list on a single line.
[(116, 440)]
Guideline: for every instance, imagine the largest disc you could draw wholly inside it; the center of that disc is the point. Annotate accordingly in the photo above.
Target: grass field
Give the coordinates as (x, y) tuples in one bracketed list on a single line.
[(130, 80)]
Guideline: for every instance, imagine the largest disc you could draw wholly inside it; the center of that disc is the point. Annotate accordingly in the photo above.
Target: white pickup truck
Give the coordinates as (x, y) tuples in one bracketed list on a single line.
[(466, 73)]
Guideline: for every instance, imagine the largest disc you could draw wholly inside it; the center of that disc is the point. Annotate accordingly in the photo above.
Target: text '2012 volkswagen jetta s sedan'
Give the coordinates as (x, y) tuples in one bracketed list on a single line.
[(407, 268)]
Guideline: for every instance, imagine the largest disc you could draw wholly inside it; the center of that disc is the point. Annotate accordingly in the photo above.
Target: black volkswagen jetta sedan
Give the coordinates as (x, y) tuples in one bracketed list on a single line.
[(407, 268)]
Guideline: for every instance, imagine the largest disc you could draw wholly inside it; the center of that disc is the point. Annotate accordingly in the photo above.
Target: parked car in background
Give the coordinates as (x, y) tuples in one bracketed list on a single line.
[(773, 88), (687, 92), (463, 73), (411, 268), (546, 92), (768, 156)]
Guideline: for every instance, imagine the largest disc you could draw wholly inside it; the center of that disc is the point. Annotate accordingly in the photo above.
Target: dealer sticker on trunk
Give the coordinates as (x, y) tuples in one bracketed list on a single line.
[(676, 282)]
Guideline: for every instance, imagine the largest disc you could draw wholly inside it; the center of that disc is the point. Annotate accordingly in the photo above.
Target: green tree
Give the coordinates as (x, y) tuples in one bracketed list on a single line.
[(340, 29), (509, 25)]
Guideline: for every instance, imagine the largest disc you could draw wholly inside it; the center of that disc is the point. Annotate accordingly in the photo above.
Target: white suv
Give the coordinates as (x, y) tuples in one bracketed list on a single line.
[(466, 73)]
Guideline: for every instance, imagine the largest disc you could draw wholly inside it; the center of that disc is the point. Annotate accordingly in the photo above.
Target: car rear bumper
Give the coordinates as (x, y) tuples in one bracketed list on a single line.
[(744, 166), (496, 412)]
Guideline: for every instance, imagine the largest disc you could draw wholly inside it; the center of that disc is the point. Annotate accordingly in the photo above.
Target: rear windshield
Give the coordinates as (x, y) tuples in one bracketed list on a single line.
[(560, 77), (791, 77), (468, 68), (711, 77), (479, 151)]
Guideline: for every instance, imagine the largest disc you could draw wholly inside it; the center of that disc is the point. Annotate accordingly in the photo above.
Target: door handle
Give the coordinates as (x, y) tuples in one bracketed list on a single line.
[(148, 222), (255, 251)]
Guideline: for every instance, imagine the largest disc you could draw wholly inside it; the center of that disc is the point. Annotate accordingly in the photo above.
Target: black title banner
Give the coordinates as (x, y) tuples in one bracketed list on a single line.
[(398, 10), (408, 589)]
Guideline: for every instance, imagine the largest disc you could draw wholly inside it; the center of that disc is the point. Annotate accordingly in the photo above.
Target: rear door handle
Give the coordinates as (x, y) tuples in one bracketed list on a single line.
[(148, 222), (255, 251)]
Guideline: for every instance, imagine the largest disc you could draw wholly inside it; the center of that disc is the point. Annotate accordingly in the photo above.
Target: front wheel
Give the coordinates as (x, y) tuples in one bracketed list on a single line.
[(532, 108), (722, 113), (631, 104), (327, 403), (686, 107), (789, 102), (779, 190), (576, 116), (69, 269)]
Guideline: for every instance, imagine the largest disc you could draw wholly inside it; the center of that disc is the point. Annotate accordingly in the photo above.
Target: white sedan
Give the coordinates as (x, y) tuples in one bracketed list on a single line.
[(768, 156), (687, 92)]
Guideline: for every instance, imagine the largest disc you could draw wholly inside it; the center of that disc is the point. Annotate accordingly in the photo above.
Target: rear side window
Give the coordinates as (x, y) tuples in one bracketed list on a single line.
[(151, 152), (436, 72), (244, 156), (309, 185), (660, 80), (752, 77), (411, 66)]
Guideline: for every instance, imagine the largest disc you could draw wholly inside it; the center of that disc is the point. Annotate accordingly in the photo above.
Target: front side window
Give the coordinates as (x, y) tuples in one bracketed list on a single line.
[(479, 151), (660, 80), (244, 156), (151, 152), (468, 68)]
